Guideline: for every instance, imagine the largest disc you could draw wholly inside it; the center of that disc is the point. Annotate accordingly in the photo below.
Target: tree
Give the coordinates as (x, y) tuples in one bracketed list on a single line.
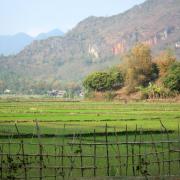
[(2, 86), (72, 89), (172, 79), (138, 67), (117, 78), (164, 60), (102, 81), (97, 81), (154, 72)]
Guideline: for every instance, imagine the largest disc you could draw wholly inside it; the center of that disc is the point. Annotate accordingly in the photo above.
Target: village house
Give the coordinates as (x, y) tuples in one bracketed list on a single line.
[(56, 93), (7, 91), (177, 44)]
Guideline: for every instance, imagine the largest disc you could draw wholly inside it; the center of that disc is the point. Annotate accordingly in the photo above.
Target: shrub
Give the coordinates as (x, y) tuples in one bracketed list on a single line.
[(172, 80), (155, 91), (103, 81), (154, 72)]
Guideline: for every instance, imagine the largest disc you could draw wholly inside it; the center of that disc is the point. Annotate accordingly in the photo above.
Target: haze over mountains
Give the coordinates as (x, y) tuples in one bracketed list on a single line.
[(13, 44), (97, 43)]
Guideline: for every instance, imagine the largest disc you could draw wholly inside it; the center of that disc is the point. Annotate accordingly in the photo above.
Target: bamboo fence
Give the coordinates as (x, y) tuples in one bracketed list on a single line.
[(111, 154)]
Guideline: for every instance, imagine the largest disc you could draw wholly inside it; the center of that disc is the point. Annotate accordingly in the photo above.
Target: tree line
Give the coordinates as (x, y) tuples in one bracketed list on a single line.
[(157, 76)]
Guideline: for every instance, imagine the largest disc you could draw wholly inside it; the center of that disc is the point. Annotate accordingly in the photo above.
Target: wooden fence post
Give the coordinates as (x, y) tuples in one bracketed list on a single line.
[(55, 170), (179, 144), (162, 148), (1, 150), (156, 153), (40, 152), (23, 152), (81, 156), (127, 151), (94, 158), (169, 149), (62, 153), (132, 146), (119, 152), (107, 150)]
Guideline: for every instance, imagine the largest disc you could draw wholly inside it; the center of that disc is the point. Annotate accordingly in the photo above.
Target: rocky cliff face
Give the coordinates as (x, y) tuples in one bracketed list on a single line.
[(98, 42)]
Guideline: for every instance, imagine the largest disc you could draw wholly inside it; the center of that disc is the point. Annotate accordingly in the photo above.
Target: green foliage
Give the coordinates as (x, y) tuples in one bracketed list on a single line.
[(138, 70), (97, 81), (154, 91), (102, 81), (117, 78), (154, 72), (172, 80)]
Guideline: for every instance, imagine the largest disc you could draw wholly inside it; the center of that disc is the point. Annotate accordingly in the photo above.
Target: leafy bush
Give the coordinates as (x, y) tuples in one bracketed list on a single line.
[(155, 91), (117, 78), (102, 81), (154, 72), (172, 80)]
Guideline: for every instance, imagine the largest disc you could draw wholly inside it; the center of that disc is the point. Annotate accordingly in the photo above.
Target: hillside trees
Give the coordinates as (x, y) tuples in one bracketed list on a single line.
[(172, 79), (155, 77), (164, 60), (138, 67)]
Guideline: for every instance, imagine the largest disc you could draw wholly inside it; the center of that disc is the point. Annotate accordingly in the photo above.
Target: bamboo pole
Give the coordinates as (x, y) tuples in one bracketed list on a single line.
[(179, 144), (132, 148), (71, 158), (1, 150), (94, 158), (107, 151), (62, 154), (62, 161), (23, 152), (157, 157), (81, 156), (55, 152), (40, 152), (119, 152), (162, 148), (169, 148), (127, 151), (139, 148)]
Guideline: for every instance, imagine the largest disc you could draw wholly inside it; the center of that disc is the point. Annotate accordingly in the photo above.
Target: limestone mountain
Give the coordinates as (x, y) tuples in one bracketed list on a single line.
[(98, 42), (52, 33), (13, 44)]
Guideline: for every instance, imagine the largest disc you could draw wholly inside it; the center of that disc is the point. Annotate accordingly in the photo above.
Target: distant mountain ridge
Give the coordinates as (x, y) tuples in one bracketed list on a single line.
[(13, 44), (54, 32), (98, 42)]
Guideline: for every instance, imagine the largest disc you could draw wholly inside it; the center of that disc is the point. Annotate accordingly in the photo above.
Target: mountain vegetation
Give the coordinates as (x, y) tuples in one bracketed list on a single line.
[(138, 72)]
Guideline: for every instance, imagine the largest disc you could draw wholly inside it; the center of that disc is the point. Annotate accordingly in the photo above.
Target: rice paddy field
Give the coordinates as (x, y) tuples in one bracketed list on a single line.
[(62, 122), (85, 116)]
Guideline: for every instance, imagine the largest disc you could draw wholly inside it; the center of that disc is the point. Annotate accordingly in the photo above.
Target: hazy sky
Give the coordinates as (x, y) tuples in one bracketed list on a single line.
[(35, 16)]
